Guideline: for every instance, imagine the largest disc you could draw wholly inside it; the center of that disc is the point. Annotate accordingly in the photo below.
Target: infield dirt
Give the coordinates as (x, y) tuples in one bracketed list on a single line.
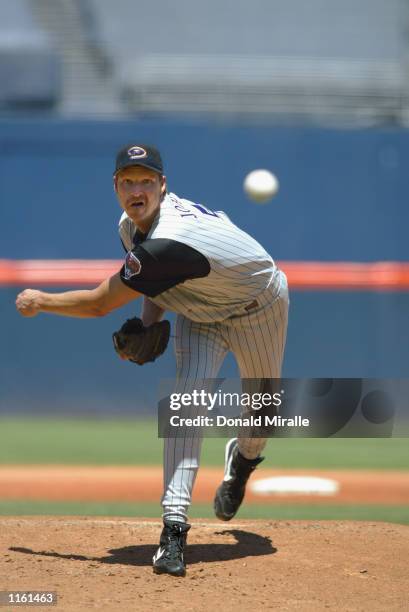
[(144, 484), (105, 564)]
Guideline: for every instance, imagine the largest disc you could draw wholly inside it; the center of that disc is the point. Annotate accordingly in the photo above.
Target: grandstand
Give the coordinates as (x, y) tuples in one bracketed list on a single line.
[(321, 60), (29, 64), (318, 58)]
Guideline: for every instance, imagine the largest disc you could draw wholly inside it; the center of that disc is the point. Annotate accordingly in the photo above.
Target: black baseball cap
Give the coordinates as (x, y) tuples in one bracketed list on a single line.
[(144, 155)]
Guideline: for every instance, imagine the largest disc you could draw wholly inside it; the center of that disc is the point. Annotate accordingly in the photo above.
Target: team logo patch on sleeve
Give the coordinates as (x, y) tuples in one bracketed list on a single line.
[(137, 153), (132, 265)]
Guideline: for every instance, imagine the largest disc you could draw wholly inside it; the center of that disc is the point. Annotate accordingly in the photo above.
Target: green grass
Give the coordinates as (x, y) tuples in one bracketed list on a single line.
[(79, 441), (135, 442), (391, 514)]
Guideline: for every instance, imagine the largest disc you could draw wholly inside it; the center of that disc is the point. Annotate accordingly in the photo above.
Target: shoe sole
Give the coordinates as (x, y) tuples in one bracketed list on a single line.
[(179, 574), (219, 514)]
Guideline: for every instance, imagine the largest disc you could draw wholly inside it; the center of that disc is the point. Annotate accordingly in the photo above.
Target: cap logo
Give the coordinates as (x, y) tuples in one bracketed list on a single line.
[(136, 153), (132, 265)]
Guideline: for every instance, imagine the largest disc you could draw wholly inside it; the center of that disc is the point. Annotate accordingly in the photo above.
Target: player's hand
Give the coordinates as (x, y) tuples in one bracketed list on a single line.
[(28, 302)]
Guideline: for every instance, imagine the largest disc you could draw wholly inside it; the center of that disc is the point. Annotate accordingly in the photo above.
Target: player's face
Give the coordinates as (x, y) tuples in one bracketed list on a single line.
[(140, 192)]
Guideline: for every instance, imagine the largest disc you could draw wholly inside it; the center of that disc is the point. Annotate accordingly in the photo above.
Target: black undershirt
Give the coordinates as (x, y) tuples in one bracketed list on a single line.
[(156, 265)]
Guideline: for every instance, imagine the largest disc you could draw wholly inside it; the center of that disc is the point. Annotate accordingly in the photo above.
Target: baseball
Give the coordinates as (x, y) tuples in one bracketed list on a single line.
[(260, 186)]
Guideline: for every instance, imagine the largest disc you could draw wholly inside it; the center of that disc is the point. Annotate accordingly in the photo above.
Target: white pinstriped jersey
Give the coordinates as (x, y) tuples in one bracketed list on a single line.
[(240, 268)]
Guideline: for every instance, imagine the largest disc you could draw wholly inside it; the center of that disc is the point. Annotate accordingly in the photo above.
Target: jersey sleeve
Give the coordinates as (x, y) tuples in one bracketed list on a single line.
[(158, 264)]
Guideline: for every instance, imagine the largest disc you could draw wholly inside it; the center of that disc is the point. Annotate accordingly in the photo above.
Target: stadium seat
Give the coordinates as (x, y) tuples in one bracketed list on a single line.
[(29, 66), (266, 55)]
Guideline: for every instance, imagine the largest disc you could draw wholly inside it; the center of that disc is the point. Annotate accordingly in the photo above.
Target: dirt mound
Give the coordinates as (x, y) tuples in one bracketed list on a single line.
[(105, 564)]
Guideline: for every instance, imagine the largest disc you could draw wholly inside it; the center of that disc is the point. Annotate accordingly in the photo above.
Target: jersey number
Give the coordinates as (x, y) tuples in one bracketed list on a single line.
[(205, 210)]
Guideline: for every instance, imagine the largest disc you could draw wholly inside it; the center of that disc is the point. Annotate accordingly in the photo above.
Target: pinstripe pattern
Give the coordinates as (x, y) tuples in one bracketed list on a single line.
[(240, 269), (200, 351), (257, 340), (212, 320)]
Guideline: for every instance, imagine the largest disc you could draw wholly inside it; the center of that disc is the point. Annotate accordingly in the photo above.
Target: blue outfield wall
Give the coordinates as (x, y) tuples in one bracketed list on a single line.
[(343, 197)]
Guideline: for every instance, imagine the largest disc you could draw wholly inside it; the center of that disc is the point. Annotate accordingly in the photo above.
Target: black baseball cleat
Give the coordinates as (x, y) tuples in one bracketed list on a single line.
[(168, 559), (237, 470)]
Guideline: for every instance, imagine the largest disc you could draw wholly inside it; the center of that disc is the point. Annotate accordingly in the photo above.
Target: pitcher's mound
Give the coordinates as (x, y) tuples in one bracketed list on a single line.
[(105, 564)]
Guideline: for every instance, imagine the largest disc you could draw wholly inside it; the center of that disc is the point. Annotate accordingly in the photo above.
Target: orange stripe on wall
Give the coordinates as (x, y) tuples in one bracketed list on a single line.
[(312, 275), (61, 272), (302, 275)]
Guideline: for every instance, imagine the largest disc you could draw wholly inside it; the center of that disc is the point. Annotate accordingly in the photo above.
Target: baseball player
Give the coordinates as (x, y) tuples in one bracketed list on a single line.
[(228, 295)]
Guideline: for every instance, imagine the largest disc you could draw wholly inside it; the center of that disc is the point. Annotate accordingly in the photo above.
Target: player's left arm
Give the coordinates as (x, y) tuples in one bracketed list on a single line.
[(112, 293), (151, 312)]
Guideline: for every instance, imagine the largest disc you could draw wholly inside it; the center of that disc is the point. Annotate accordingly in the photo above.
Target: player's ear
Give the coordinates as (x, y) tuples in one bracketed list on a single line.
[(115, 183), (163, 185)]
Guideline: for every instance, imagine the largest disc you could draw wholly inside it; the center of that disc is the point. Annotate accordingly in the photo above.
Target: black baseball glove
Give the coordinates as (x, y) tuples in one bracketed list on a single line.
[(141, 344)]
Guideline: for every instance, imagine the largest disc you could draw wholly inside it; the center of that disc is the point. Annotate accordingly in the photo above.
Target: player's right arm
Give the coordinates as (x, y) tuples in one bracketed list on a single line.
[(112, 293)]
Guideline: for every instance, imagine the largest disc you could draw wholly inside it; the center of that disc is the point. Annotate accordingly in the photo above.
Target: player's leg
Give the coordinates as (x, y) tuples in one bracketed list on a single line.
[(257, 341), (200, 351)]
